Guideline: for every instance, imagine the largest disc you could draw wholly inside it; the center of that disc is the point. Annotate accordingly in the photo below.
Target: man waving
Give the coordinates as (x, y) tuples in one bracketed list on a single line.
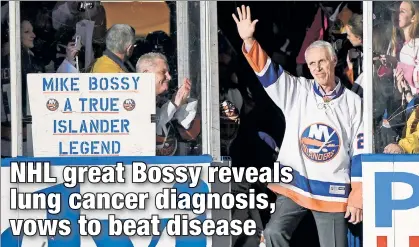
[(322, 141)]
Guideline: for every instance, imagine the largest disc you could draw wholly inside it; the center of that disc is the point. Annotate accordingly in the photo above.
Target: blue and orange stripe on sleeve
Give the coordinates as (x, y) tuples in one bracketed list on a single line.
[(355, 197), (261, 63)]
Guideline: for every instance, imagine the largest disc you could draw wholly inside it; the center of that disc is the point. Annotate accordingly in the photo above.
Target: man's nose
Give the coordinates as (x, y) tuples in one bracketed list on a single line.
[(319, 67), (168, 76)]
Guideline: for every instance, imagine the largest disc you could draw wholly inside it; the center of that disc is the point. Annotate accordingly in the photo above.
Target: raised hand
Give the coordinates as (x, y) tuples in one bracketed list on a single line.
[(245, 26), (71, 51), (183, 92)]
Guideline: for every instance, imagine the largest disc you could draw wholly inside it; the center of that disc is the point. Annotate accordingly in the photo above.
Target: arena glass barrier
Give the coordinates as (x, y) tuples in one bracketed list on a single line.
[(102, 239), (390, 181)]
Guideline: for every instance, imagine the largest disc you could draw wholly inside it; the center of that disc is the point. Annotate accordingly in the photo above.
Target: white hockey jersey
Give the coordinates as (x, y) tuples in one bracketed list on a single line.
[(322, 140)]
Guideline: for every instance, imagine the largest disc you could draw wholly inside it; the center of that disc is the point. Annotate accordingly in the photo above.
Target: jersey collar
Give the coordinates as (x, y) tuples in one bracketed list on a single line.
[(331, 95)]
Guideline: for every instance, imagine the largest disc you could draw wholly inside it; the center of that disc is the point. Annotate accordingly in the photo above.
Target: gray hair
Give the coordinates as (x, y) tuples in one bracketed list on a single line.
[(147, 60), (119, 37), (322, 44)]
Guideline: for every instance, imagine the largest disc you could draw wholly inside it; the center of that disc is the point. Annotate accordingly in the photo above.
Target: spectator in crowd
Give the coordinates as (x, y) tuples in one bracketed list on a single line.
[(120, 40), (296, 96), (180, 107), (409, 144), (74, 49), (405, 44), (44, 48), (85, 19), (401, 56), (386, 97), (69, 64), (29, 64), (160, 42), (354, 31)]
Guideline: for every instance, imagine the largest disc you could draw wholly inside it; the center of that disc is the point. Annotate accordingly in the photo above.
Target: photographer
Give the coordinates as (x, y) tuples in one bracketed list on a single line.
[(85, 19), (69, 65), (119, 44)]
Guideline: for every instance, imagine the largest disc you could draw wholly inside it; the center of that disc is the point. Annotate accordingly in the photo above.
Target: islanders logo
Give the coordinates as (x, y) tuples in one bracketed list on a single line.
[(129, 104), (52, 104), (320, 142)]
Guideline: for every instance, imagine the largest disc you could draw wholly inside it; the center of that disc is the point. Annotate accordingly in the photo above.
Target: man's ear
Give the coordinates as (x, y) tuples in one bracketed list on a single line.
[(130, 47)]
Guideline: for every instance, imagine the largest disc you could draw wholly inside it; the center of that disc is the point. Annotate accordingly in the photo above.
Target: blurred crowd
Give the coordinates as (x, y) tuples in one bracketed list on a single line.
[(396, 82)]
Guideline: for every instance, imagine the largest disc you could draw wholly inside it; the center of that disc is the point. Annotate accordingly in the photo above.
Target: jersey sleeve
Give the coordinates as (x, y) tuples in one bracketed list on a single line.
[(281, 87), (357, 148)]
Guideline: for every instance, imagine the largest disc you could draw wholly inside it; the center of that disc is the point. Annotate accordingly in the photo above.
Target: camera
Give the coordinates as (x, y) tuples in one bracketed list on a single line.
[(82, 6)]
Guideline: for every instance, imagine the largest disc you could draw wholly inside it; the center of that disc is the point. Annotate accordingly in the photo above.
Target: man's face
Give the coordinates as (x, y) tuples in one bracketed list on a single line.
[(321, 65), (161, 70), (355, 40)]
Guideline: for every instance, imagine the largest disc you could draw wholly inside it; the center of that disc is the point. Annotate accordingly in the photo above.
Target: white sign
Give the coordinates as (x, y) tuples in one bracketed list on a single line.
[(142, 211), (92, 114), (391, 200)]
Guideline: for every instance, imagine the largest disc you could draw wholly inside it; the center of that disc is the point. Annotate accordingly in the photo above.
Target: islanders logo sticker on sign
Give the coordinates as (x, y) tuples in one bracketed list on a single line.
[(320, 142)]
